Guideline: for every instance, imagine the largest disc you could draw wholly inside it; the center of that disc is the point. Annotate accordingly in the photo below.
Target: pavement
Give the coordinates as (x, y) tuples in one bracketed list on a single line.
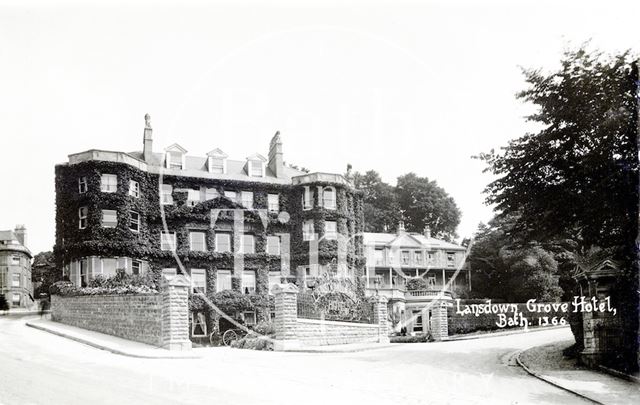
[(548, 364), (130, 348), (109, 343), (43, 368)]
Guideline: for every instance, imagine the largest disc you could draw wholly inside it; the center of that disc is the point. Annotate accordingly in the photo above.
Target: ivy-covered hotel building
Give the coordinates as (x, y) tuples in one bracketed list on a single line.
[(172, 212)]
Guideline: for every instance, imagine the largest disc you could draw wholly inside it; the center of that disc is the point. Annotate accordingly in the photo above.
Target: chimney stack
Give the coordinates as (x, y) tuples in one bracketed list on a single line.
[(147, 150), (427, 232), (276, 163), (21, 234), (401, 227)]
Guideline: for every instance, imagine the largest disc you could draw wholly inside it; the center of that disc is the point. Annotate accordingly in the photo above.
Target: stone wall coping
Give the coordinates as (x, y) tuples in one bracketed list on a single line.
[(284, 288), (378, 298), (175, 281), (338, 323), (146, 294)]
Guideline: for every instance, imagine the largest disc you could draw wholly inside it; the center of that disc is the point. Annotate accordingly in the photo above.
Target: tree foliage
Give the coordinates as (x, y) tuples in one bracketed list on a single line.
[(44, 272), (577, 176), (512, 271), (418, 201)]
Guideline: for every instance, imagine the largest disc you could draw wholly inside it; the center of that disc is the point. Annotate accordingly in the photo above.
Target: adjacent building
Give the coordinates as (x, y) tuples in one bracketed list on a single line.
[(15, 268), (229, 224), (395, 258)]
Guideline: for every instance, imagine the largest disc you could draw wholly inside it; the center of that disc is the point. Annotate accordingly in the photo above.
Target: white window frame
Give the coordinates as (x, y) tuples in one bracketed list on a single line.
[(15, 282), (15, 301), (402, 257), (330, 235), (193, 197), (307, 199), (219, 277), (220, 235), (243, 244), (102, 221), (232, 195), (451, 259), (134, 264), (252, 315), (211, 193), (204, 241), (245, 201), (277, 245), (170, 164), (166, 194), (164, 242), (81, 217), (273, 202), (308, 230), (217, 168), (14, 259), (246, 276), (106, 185), (134, 188), (135, 222), (252, 168), (82, 185), (195, 280), (418, 257), (329, 204)]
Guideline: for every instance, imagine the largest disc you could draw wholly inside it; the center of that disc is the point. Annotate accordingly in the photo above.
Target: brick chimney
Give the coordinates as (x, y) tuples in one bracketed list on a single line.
[(401, 227), (147, 150), (276, 163), (427, 232), (21, 234)]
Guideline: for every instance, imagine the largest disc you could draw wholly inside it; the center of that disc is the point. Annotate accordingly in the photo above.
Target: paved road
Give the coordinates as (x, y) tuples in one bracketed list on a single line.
[(39, 368)]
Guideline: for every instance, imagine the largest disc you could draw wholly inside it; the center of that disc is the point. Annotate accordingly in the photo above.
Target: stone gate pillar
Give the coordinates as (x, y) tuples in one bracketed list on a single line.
[(286, 302), (439, 322), (380, 317), (175, 313)]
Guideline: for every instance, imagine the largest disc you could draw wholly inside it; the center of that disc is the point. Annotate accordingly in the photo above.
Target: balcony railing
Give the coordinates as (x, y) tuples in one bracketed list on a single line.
[(419, 294)]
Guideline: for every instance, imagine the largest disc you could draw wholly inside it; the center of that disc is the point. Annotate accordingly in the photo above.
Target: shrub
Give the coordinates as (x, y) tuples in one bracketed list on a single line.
[(265, 329), (253, 343), (417, 283), (118, 284), (412, 339), (4, 305)]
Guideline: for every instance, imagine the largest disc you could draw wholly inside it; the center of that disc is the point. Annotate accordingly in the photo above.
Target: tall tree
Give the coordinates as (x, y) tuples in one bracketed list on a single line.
[(424, 203), (578, 176), (44, 272), (381, 208)]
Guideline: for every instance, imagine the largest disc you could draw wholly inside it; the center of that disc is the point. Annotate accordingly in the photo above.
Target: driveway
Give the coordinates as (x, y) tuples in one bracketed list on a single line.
[(39, 368)]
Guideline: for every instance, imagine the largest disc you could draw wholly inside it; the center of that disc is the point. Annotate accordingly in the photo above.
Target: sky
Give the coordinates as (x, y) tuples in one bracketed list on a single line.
[(394, 86)]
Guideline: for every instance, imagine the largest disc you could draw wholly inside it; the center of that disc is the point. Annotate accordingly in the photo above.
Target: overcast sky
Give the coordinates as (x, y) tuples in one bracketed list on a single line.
[(393, 86)]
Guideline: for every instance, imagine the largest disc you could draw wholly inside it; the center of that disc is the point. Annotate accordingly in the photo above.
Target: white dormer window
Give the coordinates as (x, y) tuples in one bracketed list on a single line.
[(217, 161), (256, 165), (175, 157)]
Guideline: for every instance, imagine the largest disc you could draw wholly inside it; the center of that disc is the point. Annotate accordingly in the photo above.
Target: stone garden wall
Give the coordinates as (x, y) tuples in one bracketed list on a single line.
[(293, 332), (134, 317), (160, 319)]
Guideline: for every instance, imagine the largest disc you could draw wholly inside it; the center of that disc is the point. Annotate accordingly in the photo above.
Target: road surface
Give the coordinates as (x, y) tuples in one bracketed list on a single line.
[(40, 368)]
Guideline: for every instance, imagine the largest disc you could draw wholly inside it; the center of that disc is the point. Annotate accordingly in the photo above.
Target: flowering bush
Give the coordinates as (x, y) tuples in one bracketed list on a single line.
[(121, 283)]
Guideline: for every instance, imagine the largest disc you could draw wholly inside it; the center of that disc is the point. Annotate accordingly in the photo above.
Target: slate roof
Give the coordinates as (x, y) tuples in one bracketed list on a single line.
[(408, 239)]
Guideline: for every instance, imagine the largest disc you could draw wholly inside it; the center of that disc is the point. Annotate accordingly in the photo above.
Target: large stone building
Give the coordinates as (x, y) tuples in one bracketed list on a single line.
[(15, 268), (228, 224), (395, 258)]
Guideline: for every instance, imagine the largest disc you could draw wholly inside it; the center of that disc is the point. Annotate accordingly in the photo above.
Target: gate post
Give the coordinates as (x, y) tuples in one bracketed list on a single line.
[(175, 313), (380, 317), (286, 317)]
